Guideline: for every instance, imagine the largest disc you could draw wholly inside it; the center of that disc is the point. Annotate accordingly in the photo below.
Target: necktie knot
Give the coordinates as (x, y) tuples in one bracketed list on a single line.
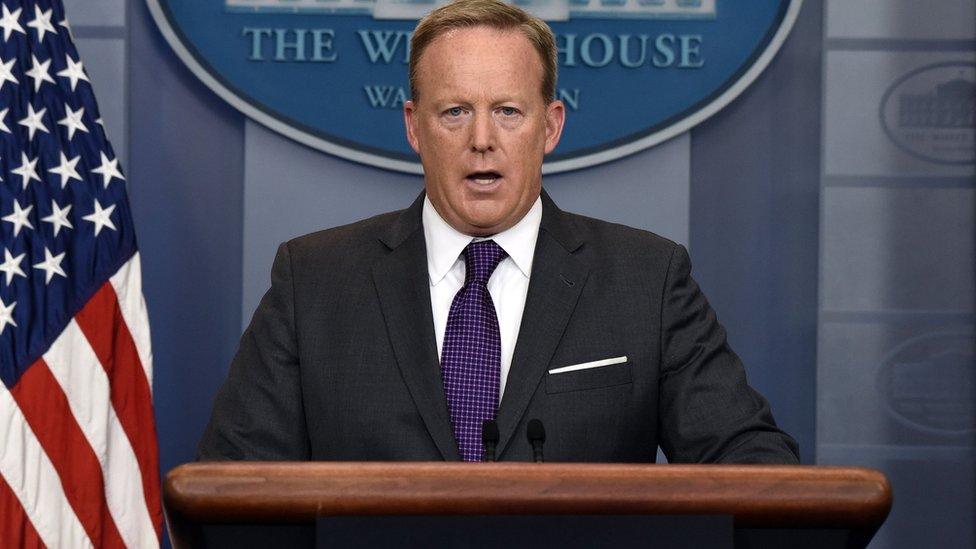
[(480, 260)]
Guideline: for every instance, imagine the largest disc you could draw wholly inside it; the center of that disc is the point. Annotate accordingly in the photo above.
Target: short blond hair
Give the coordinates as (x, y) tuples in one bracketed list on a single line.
[(486, 13)]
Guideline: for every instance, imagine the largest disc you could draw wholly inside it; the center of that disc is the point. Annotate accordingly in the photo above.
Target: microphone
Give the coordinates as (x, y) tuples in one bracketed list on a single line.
[(489, 437), (537, 436)]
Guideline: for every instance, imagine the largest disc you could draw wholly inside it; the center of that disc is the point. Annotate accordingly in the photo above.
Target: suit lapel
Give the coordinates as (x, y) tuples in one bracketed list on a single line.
[(557, 279), (403, 286)]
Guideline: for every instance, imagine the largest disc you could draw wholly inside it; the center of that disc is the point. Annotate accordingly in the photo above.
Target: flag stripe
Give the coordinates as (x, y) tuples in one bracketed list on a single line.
[(47, 412), (14, 524), (127, 283), (86, 385), (103, 325), (32, 478)]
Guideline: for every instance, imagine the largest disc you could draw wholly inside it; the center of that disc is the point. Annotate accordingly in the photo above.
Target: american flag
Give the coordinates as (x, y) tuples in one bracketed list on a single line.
[(78, 455)]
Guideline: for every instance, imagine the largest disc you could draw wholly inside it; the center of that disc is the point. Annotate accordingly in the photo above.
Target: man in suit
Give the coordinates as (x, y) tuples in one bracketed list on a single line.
[(397, 337)]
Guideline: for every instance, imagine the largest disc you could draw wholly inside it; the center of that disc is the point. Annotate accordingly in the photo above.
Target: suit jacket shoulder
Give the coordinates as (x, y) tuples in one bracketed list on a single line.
[(343, 245), (614, 242)]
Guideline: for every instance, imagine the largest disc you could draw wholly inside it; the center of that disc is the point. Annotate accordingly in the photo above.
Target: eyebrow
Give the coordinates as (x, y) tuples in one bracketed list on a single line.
[(456, 100)]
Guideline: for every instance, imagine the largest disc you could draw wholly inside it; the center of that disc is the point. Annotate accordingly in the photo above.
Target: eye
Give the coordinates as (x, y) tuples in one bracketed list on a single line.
[(508, 111), (455, 111)]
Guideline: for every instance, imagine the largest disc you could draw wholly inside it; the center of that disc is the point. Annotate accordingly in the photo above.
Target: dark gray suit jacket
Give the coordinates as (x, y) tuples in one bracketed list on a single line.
[(339, 361)]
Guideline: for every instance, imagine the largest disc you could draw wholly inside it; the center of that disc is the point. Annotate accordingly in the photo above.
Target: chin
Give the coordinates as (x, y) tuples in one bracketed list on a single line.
[(483, 220), (479, 227)]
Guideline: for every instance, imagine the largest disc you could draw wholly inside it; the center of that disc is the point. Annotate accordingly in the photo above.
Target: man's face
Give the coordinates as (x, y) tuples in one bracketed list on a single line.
[(481, 127)]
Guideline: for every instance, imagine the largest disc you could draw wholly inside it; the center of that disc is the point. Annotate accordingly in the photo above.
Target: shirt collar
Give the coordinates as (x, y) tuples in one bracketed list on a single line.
[(445, 243)]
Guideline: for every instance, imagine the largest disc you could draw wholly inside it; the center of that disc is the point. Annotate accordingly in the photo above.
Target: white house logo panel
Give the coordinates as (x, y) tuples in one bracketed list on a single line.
[(333, 73)]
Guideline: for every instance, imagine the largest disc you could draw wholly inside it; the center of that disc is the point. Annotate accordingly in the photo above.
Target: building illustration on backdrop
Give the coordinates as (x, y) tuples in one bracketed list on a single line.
[(550, 10), (949, 105), (930, 112)]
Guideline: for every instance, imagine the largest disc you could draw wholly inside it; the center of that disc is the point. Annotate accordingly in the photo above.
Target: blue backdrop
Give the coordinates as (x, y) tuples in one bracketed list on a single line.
[(842, 265)]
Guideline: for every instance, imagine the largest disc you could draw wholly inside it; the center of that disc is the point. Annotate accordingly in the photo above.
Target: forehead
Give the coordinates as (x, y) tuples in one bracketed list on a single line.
[(479, 59)]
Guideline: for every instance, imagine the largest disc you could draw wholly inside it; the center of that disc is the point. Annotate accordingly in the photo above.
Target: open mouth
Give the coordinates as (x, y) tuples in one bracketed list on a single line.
[(483, 178)]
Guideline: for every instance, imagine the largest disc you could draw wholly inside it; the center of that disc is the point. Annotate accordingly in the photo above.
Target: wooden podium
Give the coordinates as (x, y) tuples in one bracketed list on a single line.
[(833, 506)]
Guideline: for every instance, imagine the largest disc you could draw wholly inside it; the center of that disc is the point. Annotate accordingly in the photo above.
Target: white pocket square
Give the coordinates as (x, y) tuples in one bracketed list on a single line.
[(588, 365)]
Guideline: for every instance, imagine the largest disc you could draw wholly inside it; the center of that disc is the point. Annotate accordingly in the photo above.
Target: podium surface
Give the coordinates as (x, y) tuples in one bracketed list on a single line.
[(771, 498)]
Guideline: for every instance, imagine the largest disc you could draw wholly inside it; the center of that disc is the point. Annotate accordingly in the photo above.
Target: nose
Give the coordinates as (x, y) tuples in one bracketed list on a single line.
[(482, 134)]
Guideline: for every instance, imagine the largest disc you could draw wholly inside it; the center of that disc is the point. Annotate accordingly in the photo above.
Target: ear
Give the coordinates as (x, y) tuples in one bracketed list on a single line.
[(409, 120), (555, 118)]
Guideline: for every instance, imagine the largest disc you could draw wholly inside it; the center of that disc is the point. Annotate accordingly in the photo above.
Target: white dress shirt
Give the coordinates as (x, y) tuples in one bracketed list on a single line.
[(508, 285)]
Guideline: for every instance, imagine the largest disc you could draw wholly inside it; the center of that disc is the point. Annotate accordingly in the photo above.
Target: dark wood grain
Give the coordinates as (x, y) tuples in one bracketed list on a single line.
[(756, 496)]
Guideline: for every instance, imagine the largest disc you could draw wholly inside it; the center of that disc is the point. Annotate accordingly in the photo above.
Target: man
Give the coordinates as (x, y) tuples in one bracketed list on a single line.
[(395, 338)]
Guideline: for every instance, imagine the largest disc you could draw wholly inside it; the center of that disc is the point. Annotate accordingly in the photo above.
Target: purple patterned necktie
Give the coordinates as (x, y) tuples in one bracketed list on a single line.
[(472, 354)]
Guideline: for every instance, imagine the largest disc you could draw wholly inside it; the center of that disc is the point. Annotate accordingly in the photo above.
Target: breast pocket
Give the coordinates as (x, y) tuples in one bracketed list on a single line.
[(562, 380)]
